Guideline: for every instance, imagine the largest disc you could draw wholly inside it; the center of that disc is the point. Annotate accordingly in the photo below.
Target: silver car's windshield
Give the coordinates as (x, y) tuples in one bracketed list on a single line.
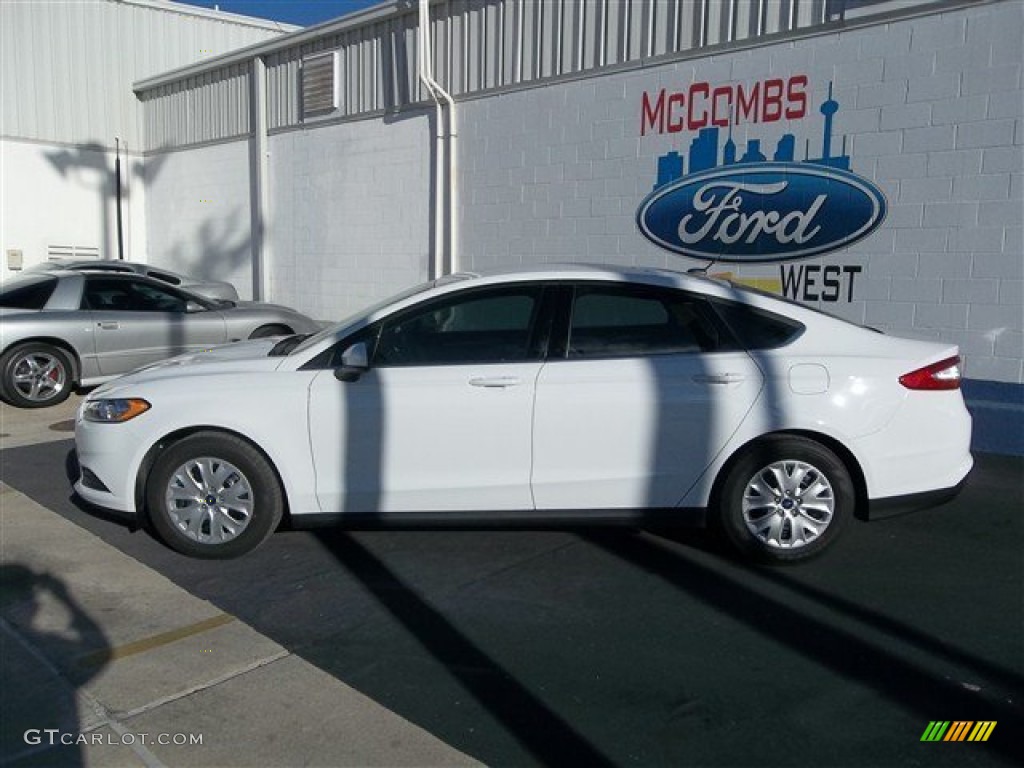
[(351, 319)]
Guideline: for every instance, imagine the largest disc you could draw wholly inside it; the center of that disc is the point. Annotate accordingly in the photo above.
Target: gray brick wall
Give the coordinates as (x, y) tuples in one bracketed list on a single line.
[(350, 214), (931, 112), (197, 213)]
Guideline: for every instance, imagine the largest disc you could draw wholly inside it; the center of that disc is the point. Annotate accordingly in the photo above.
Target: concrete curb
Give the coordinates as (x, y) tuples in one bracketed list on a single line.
[(126, 668)]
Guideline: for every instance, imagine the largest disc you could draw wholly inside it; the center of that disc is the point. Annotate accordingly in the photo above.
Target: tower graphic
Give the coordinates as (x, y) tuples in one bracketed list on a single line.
[(829, 107)]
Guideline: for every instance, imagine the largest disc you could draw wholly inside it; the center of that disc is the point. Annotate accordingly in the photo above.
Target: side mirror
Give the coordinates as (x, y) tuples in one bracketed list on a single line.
[(354, 363)]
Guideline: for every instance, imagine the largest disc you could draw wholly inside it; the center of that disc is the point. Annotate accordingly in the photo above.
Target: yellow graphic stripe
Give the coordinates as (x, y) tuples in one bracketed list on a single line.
[(982, 730)]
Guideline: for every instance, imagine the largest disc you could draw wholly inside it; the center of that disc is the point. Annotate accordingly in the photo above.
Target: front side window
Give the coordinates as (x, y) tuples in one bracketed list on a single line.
[(130, 296), (481, 326), (627, 321)]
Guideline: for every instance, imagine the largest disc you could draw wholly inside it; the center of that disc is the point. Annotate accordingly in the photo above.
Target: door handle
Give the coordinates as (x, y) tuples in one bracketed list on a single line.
[(718, 378), (495, 382), (109, 326)]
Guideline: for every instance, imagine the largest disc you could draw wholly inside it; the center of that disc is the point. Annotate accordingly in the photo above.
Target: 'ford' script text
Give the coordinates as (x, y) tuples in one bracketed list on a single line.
[(722, 215)]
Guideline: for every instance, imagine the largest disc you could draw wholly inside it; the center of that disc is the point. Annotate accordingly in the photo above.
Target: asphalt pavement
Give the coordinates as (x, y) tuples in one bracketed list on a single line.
[(603, 646)]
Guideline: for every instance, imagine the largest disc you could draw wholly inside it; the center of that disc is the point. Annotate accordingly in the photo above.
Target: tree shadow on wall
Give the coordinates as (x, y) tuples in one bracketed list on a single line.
[(92, 167), (221, 246)]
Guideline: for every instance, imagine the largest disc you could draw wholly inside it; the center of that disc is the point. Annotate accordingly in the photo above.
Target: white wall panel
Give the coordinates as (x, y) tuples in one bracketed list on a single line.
[(349, 214), (65, 196), (67, 68), (198, 213)]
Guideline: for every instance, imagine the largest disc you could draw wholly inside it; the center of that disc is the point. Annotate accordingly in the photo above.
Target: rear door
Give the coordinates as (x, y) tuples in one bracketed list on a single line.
[(646, 391), (137, 322)]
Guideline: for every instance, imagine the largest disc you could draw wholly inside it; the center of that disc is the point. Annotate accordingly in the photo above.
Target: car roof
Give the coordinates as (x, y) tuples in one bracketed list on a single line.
[(695, 279)]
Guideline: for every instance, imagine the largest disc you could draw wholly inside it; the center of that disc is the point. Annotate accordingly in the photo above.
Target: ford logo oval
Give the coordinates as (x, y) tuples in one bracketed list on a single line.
[(761, 212)]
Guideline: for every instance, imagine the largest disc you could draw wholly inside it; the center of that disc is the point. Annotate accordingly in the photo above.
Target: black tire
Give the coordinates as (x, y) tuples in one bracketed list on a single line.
[(36, 375), (270, 330), (785, 499), (243, 501)]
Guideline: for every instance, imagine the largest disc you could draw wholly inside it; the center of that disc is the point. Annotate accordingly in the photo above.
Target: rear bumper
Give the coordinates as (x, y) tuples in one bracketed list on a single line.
[(892, 506), (925, 448)]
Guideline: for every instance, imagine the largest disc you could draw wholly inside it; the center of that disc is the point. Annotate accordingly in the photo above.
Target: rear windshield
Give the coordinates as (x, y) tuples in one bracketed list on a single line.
[(28, 292)]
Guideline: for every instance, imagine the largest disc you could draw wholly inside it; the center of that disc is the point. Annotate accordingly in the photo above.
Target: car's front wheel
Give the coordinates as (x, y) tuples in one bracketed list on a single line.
[(35, 375), (213, 495), (785, 499)]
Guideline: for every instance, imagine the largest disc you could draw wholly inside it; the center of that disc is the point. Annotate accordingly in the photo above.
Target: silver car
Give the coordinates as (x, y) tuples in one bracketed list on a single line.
[(211, 289), (61, 330)]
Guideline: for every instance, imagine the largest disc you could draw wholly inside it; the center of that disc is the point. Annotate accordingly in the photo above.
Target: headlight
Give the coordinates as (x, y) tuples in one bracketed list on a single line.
[(114, 411)]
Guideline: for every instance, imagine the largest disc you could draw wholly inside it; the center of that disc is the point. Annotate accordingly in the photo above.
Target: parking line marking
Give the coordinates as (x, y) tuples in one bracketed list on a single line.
[(97, 658)]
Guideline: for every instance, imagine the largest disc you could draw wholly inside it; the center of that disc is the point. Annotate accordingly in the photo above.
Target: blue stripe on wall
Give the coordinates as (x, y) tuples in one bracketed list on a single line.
[(998, 411)]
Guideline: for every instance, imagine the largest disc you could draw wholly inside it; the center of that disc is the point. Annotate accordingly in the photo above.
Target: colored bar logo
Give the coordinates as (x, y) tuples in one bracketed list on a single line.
[(958, 730)]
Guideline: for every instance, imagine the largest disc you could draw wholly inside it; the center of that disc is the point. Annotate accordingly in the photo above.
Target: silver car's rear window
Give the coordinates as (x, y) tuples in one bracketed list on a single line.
[(28, 292)]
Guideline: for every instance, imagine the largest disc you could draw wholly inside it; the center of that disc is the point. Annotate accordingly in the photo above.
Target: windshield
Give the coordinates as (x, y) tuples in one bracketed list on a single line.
[(351, 319)]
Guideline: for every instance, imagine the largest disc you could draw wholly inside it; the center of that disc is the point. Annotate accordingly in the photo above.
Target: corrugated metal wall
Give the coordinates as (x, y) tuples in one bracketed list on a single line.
[(486, 44), (206, 107), (67, 68), (378, 70)]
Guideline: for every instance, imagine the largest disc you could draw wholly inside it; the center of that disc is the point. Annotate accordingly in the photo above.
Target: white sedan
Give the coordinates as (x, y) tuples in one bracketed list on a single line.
[(566, 394)]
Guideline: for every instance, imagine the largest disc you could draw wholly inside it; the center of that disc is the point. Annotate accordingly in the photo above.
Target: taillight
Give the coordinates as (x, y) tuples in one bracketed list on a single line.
[(944, 374)]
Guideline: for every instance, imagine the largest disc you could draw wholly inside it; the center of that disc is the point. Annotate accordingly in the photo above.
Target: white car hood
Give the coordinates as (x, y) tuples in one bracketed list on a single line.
[(244, 356)]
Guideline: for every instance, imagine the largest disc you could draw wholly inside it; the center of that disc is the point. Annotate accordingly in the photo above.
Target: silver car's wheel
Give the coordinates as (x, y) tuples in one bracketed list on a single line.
[(784, 499), (213, 495), (266, 331), (36, 376), (209, 500), (788, 504)]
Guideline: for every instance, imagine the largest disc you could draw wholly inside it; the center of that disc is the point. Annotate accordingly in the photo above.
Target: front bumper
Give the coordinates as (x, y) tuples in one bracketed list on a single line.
[(109, 456)]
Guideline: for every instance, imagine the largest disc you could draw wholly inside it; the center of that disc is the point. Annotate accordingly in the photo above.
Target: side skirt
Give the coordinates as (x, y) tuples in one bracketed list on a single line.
[(531, 518)]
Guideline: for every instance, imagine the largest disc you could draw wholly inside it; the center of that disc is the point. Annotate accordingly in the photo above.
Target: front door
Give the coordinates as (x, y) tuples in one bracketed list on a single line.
[(136, 322), (442, 420)]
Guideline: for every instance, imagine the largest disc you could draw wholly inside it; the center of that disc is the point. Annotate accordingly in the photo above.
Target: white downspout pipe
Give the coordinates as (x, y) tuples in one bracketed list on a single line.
[(441, 98)]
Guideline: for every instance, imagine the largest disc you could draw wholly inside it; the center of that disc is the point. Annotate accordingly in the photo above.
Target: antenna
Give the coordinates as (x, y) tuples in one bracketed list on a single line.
[(702, 270)]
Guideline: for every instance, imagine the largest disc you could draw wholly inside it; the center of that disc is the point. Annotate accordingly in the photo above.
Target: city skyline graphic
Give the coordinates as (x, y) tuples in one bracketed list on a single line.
[(703, 154)]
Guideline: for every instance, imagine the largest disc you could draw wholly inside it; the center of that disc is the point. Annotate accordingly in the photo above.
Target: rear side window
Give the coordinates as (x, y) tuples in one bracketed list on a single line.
[(28, 293), (626, 321), (755, 328)]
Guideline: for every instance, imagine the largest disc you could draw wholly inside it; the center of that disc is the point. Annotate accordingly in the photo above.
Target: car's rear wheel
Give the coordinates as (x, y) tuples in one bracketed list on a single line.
[(270, 330), (35, 375), (213, 495), (785, 499)]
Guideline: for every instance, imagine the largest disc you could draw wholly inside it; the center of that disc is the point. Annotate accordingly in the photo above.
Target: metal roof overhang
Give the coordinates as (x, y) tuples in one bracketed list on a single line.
[(358, 19)]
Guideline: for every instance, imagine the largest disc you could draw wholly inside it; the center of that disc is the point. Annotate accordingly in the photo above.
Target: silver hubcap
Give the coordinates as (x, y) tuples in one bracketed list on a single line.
[(39, 376), (788, 504), (209, 500)]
